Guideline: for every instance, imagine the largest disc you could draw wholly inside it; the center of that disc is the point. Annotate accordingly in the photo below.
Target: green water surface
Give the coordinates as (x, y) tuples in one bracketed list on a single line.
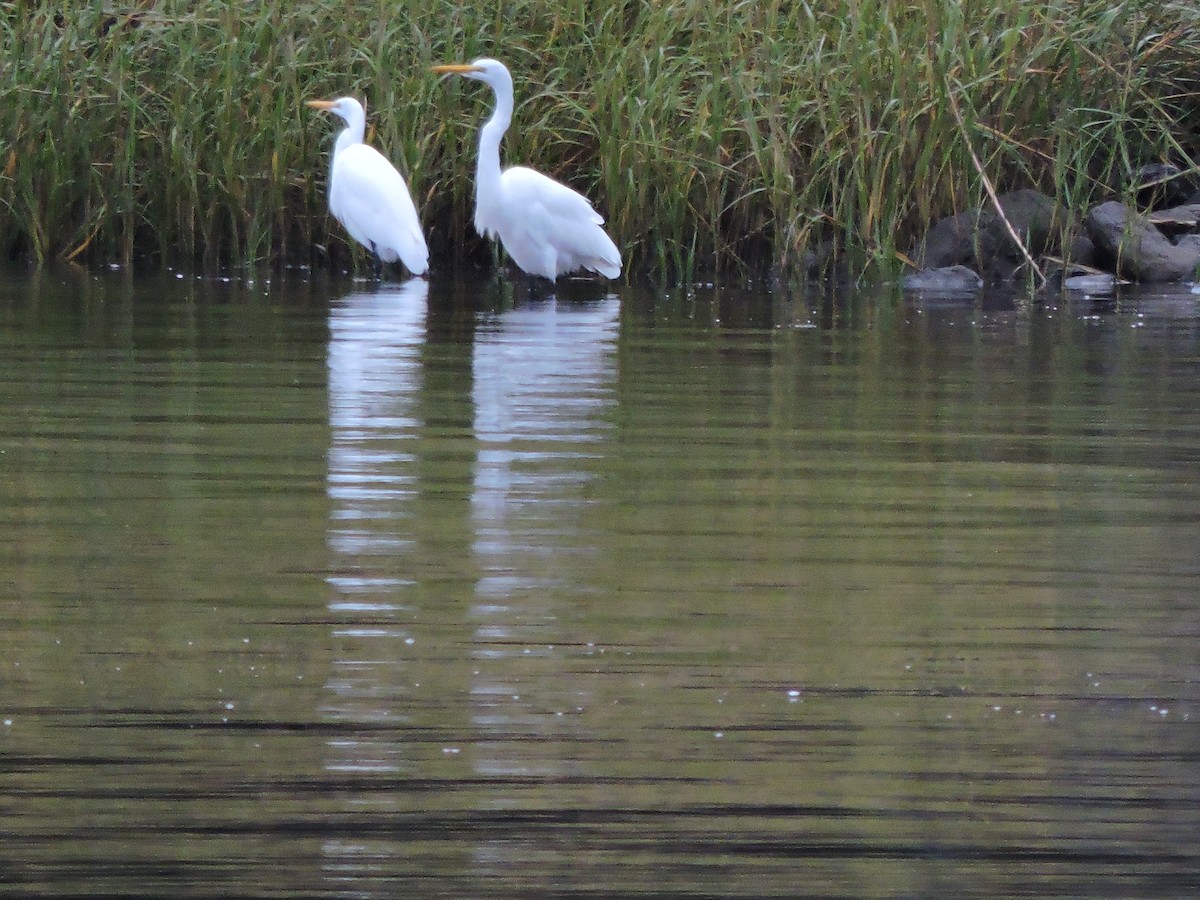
[(333, 589)]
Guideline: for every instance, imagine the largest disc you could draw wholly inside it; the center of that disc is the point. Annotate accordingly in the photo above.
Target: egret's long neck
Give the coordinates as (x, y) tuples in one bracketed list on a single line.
[(487, 169), (352, 134)]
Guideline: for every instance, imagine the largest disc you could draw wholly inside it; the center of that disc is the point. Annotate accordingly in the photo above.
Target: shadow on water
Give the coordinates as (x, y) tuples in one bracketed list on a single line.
[(463, 589)]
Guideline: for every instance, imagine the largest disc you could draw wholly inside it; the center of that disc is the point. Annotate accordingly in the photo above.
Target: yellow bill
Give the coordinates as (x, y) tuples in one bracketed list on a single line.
[(456, 69)]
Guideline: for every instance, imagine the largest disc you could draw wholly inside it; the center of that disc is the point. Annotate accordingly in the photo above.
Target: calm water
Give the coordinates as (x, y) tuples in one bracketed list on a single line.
[(345, 591)]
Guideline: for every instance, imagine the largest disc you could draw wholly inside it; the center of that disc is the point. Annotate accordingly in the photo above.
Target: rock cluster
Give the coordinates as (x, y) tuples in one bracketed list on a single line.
[(1154, 240)]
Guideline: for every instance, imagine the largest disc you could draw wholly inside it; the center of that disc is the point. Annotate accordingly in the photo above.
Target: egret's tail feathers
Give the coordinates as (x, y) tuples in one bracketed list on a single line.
[(606, 258), (416, 258), (606, 267), (412, 251)]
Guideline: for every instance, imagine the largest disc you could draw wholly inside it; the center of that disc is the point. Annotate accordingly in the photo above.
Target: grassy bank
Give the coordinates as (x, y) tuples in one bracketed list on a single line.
[(710, 135)]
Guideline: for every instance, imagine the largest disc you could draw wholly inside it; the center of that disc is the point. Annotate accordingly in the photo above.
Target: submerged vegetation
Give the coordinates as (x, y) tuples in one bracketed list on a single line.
[(710, 135)]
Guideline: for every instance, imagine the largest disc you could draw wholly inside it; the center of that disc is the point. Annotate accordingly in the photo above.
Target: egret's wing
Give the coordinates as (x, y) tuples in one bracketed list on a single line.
[(555, 215), (529, 186), (369, 197)]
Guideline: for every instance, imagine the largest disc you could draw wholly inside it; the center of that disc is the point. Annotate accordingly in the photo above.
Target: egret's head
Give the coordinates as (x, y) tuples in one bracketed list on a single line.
[(489, 71), (346, 107)]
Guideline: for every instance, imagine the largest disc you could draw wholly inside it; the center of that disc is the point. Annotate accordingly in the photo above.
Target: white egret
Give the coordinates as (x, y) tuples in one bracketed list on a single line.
[(547, 228), (368, 196)]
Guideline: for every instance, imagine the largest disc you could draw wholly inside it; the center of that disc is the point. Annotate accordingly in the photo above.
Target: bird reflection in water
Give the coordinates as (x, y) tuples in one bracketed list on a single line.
[(460, 476)]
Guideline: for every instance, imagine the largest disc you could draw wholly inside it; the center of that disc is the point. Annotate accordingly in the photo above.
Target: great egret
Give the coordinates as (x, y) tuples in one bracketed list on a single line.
[(368, 196), (547, 228)]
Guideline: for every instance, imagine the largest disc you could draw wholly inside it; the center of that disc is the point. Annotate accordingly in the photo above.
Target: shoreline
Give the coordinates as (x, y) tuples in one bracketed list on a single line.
[(724, 138)]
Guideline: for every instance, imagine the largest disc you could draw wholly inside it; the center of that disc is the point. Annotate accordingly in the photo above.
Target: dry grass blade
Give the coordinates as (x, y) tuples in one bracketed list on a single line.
[(991, 189)]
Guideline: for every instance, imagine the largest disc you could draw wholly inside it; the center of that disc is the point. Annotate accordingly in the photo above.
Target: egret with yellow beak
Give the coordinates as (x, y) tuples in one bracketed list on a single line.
[(368, 196), (544, 226)]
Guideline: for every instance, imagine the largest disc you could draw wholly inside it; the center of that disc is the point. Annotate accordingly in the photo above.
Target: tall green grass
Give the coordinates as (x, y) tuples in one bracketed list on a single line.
[(711, 135)]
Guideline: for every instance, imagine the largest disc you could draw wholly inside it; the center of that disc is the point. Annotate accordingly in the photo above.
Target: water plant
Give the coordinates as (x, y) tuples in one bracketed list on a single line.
[(711, 135)]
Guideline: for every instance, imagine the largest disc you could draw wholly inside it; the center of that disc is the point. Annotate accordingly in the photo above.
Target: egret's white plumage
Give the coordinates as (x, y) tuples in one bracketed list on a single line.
[(547, 228), (368, 196)]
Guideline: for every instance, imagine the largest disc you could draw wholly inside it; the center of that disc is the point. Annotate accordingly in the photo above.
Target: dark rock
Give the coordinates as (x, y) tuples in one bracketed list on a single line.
[(944, 280), (1137, 249), (979, 238), (1091, 284), (1161, 186), (1190, 243), (1080, 250), (1034, 217), (951, 242), (1064, 275), (1177, 219)]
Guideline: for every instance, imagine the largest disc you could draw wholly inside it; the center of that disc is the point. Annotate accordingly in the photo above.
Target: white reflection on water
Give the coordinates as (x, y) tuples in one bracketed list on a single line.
[(374, 376), (374, 382), (544, 378), (542, 383)]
